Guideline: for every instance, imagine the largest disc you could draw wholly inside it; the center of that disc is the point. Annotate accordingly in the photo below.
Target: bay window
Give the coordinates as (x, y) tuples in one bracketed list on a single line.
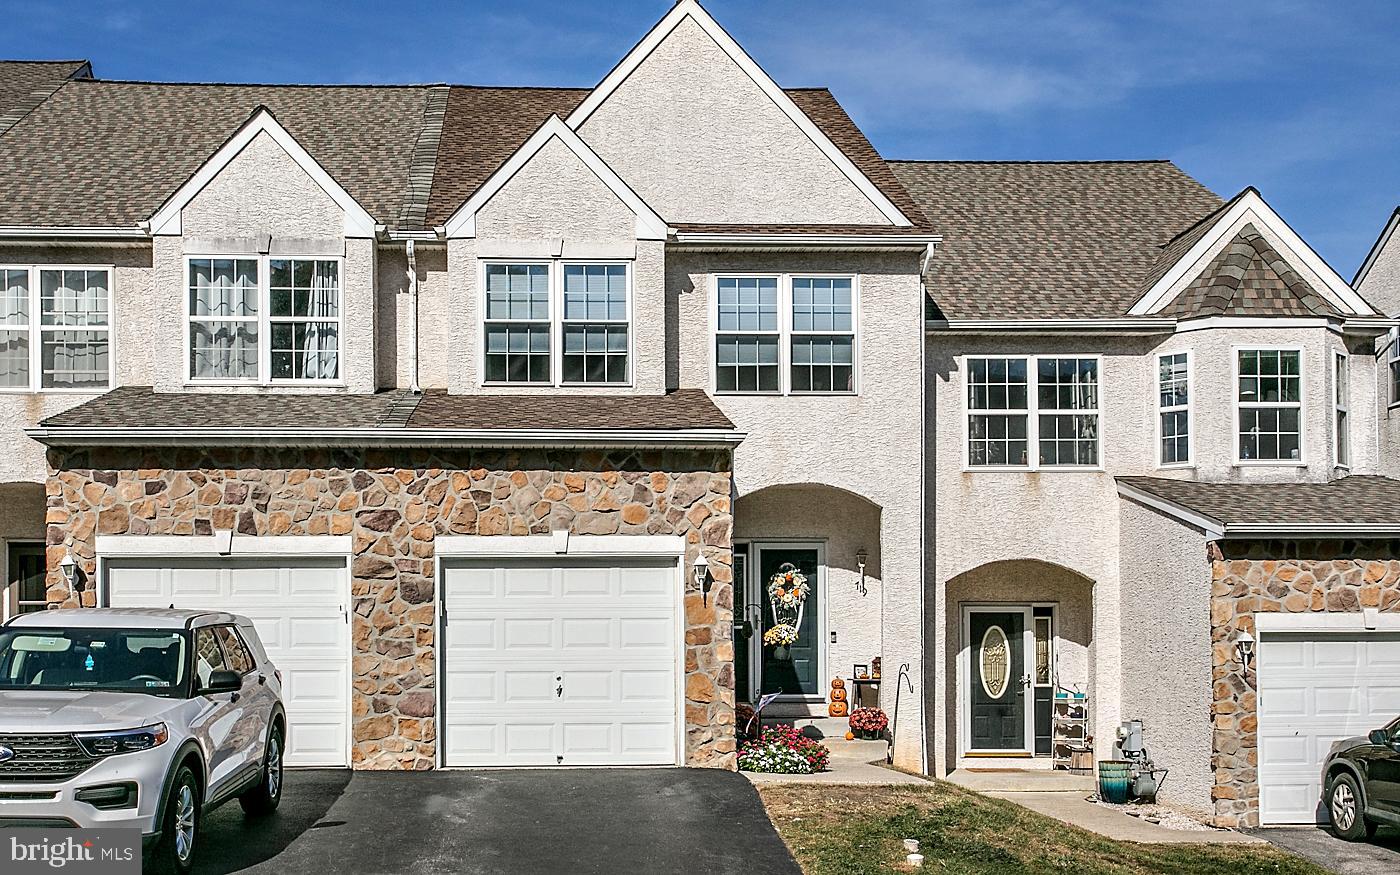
[(581, 309), (264, 320), (1269, 400), (1173, 409), (1016, 403), (785, 334), (55, 328)]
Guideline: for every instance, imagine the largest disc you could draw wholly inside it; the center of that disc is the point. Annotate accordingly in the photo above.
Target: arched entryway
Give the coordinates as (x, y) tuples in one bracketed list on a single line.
[(832, 536), (1019, 646)]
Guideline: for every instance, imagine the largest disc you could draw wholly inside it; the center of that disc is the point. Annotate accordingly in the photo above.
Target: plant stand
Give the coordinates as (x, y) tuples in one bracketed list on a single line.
[(1069, 743)]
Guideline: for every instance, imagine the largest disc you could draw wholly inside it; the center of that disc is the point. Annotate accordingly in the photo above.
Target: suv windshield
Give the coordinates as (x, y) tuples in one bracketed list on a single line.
[(149, 661)]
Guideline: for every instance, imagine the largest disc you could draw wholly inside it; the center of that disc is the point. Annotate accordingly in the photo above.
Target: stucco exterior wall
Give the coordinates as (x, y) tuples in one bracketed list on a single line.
[(437, 345), (846, 524), (555, 195), (1019, 582), (1381, 285), (1165, 619), (1213, 355), (700, 142), (262, 190), (868, 444)]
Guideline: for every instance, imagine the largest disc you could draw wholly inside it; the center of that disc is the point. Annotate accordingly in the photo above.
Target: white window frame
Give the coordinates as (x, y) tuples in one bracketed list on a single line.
[(1189, 408), (37, 329), (785, 332), (1341, 409), (1237, 405), (1392, 364), (264, 321), (1033, 413), (556, 320)]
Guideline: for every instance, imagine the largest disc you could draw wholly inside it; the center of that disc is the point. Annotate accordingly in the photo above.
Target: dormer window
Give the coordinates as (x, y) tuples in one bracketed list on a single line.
[(264, 320)]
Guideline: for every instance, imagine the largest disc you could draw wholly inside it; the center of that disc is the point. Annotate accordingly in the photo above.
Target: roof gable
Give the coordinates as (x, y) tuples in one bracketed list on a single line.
[(648, 226), (1289, 254), (167, 219), (1248, 278), (687, 20)]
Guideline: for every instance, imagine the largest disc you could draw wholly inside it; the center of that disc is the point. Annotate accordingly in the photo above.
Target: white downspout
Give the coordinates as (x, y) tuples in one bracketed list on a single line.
[(412, 318)]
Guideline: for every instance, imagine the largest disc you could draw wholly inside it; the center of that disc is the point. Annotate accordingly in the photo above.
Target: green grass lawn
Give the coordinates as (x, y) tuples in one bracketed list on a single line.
[(848, 830)]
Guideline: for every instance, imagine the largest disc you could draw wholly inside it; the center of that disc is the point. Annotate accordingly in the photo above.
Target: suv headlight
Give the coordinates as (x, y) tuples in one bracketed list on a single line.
[(105, 744)]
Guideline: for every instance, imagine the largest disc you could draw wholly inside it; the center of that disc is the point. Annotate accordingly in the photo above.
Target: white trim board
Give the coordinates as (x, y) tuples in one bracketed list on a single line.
[(649, 226), (223, 544), (370, 436), (696, 13), (1365, 620), (560, 543), (1250, 207), (166, 220)]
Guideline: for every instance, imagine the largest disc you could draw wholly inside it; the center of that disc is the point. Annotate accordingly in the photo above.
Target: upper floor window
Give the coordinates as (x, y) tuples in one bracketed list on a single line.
[(785, 334), (532, 309), (1173, 409), (264, 320), (1270, 405), (55, 328), (1049, 403), (1341, 408), (1394, 358)]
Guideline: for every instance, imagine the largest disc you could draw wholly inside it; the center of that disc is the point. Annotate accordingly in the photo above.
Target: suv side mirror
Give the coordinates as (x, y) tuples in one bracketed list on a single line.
[(222, 681), (1378, 736)]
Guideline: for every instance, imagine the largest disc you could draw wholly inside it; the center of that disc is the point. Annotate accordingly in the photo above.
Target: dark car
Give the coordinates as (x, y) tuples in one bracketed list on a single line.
[(1361, 783)]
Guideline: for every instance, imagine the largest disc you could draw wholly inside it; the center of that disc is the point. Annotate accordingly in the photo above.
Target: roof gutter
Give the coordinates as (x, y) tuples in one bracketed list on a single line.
[(883, 241), (473, 438), (30, 232), (1132, 325)]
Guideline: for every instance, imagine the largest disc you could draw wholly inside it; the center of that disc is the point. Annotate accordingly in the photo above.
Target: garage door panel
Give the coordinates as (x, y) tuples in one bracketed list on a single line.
[(1316, 689), (515, 633), (297, 606)]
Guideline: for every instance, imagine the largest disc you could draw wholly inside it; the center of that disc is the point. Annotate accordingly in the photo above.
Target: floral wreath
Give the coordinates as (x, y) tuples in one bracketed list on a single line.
[(788, 587)]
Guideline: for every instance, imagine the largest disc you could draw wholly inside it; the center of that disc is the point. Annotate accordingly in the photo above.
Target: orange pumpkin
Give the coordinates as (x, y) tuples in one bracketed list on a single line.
[(837, 683), (838, 695), (850, 736), (838, 709)]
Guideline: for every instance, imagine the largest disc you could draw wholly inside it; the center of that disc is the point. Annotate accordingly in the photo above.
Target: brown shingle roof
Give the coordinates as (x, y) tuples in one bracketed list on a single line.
[(26, 84), (1248, 278), (141, 407), (110, 153), (1048, 240), (1358, 500)]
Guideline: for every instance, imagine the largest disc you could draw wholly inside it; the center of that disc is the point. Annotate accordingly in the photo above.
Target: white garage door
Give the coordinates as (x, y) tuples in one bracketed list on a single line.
[(1316, 688), (298, 609), (560, 662)]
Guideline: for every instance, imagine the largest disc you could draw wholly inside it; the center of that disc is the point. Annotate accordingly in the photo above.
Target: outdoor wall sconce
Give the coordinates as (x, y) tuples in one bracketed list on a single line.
[(701, 569), (1244, 646), (861, 556), (68, 566)]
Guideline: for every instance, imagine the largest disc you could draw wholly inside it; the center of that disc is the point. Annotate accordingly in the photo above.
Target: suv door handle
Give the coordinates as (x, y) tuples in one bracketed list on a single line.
[(233, 697), (262, 678)]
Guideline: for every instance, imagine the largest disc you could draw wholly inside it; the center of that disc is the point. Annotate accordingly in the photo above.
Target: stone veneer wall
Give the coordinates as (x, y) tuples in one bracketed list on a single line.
[(394, 504), (1250, 577)]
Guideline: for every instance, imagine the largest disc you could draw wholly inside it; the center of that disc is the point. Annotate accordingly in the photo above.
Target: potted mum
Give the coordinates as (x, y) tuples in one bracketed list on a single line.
[(869, 722)]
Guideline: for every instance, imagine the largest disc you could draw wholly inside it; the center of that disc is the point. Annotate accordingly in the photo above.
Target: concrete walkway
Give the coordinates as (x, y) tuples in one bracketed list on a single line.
[(1022, 780), (1073, 808)]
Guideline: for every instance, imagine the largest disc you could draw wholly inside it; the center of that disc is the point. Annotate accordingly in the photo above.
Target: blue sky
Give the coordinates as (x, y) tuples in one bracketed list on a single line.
[(1296, 97)]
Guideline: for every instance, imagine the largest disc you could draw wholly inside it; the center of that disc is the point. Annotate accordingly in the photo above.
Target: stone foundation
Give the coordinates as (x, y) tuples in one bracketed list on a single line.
[(1251, 577), (394, 504)]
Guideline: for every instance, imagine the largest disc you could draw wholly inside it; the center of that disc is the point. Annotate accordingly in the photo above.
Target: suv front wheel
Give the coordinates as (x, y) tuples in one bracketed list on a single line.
[(1347, 811), (263, 798), (175, 852)]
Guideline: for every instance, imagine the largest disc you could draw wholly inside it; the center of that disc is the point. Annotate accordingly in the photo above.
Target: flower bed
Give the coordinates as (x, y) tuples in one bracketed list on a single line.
[(784, 750)]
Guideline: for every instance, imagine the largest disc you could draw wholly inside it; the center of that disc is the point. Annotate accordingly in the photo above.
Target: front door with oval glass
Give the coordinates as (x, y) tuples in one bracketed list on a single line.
[(997, 691)]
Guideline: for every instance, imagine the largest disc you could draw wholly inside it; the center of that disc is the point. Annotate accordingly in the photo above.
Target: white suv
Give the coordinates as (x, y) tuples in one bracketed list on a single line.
[(133, 717)]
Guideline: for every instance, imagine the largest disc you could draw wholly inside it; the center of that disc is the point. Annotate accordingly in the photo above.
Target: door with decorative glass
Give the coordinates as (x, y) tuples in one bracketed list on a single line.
[(997, 679)]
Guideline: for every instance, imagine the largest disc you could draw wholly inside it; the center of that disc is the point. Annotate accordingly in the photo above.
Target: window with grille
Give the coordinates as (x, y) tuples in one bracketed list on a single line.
[(55, 328), (1270, 405), (1173, 409)]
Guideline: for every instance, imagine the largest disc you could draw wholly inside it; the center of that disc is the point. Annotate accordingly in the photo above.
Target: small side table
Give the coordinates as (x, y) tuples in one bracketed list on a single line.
[(860, 685)]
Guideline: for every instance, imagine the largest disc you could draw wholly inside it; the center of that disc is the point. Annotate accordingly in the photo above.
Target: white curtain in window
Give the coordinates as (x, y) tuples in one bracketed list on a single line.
[(321, 353), (224, 292)]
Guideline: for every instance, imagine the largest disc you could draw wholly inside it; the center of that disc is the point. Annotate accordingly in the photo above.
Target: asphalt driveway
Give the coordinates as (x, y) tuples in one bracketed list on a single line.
[(568, 820), (1326, 850)]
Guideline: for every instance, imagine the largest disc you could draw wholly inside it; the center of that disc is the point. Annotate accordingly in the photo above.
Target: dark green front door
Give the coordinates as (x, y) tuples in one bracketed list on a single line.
[(744, 632), (997, 696), (798, 675)]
